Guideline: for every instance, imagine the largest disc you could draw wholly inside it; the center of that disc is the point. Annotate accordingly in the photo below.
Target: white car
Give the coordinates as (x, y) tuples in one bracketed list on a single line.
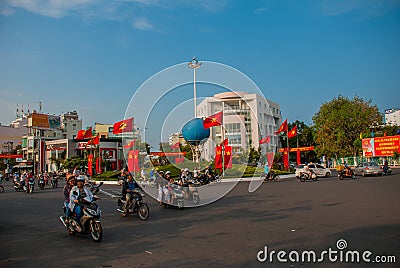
[(316, 168)]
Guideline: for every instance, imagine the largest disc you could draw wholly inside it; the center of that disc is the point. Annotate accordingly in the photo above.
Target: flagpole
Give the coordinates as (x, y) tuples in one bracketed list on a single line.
[(287, 143), (223, 140)]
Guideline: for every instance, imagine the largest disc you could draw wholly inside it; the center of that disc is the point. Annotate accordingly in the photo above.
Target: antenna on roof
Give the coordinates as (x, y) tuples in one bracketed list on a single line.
[(40, 106)]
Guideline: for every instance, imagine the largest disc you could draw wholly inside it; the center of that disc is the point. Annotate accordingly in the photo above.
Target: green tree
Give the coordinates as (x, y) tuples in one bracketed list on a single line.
[(73, 162), (338, 125)]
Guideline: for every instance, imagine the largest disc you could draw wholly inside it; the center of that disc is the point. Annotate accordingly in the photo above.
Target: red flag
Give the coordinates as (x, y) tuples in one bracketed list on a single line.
[(133, 160), (123, 126), (224, 143), (218, 157), (84, 134), (176, 145), (129, 145), (228, 157), (214, 120), (94, 140), (282, 128), (98, 165), (292, 133), (265, 140)]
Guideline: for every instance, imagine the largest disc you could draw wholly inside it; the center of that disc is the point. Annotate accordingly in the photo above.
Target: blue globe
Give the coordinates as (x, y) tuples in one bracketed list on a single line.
[(194, 133)]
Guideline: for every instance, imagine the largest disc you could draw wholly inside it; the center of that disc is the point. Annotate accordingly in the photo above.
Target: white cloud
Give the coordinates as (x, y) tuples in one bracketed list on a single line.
[(49, 8), (143, 24), (368, 7)]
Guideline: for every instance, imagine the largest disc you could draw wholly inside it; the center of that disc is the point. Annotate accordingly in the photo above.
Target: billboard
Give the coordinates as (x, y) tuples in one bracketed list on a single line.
[(46, 121), (381, 146)]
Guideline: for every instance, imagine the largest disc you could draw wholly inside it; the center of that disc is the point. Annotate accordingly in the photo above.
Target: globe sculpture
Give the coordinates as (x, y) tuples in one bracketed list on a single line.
[(194, 133)]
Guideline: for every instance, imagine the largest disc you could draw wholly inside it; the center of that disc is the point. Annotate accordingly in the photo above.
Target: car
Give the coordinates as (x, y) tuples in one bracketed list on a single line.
[(368, 168), (319, 170)]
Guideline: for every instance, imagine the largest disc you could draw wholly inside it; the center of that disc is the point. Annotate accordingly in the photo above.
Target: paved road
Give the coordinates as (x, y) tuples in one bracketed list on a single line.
[(288, 215)]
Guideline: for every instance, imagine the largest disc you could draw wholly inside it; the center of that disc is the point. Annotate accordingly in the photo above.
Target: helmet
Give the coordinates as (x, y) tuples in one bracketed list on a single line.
[(161, 172), (186, 170), (81, 178), (168, 173)]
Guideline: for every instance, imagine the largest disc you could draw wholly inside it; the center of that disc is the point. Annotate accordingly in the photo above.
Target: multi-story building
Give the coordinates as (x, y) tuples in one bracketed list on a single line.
[(174, 138), (247, 118), (70, 124), (392, 117)]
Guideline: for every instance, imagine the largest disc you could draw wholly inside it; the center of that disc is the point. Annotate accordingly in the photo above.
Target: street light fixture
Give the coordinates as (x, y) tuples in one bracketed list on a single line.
[(194, 64)]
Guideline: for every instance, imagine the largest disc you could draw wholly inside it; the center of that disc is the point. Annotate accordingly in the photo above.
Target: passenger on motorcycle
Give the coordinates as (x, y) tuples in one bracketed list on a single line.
[(160, 183), (67, 191), (168, 188), (77, 192)]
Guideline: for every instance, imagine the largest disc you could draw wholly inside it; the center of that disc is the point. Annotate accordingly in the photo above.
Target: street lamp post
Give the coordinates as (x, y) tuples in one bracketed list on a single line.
[(194, 64)]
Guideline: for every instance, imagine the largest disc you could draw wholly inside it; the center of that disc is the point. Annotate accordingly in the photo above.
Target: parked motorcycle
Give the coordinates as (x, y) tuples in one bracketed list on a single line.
[(271, 176), (136, 205), (89, 223), (31, 185), (204, 180), (41, 182), (308, 176), (387, 170)]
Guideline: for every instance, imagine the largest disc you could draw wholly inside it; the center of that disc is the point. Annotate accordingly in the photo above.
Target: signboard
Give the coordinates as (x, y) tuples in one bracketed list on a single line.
[(84, 145), (381, 146), (168, 154), (58, 147), (301, 149), (46, 121), (7, 156)]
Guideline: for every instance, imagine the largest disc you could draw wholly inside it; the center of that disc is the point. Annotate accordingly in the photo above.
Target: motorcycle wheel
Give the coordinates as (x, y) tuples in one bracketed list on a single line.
[(31, 190), (302, 179), (143, 212), (180, 204), (196, 198), (277, 178), (1, 189), (96, 231)]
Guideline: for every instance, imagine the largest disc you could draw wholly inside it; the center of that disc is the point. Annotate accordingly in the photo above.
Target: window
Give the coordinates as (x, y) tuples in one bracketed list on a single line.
[(73, 126)]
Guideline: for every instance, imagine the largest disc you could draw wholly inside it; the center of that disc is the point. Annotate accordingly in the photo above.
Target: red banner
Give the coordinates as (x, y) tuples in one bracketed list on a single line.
[(228, 157), (218, 157), (90, 164), (98, 165), (168, 154), (381, 146), (10, 155), (133, 161)]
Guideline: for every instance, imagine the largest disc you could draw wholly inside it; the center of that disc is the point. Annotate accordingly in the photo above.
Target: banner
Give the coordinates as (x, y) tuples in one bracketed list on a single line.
[(218, 157), (133, 161), (228, 157), (381, 146), (46, 121), (90, 164)]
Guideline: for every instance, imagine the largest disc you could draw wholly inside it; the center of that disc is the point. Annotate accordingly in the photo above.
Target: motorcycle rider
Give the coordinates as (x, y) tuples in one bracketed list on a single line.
[(67, 190), (79, 191), (130, 187)]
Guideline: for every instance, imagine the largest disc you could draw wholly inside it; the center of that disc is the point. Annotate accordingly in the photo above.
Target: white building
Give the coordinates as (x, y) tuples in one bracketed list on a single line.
[(392, 116), (247, 119)]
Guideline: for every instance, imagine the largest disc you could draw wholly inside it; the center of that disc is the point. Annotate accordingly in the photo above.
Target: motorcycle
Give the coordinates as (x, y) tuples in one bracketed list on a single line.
[(41, 182), (18, 185), (136, 205), (308, 176), (54, 182), (89, 223), (204, 180), (387, 170), (31, 185), (176, 197), (271, 176), (346, 173), (190, 192)]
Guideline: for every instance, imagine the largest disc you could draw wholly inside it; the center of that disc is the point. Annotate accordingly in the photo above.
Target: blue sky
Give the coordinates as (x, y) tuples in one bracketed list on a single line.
[(91, 55)]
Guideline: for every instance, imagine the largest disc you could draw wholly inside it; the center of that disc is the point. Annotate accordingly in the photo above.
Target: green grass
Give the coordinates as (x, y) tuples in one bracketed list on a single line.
[(235, 172)]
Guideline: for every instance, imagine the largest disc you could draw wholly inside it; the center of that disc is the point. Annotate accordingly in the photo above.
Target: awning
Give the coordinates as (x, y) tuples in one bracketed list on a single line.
[(23, 165)]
